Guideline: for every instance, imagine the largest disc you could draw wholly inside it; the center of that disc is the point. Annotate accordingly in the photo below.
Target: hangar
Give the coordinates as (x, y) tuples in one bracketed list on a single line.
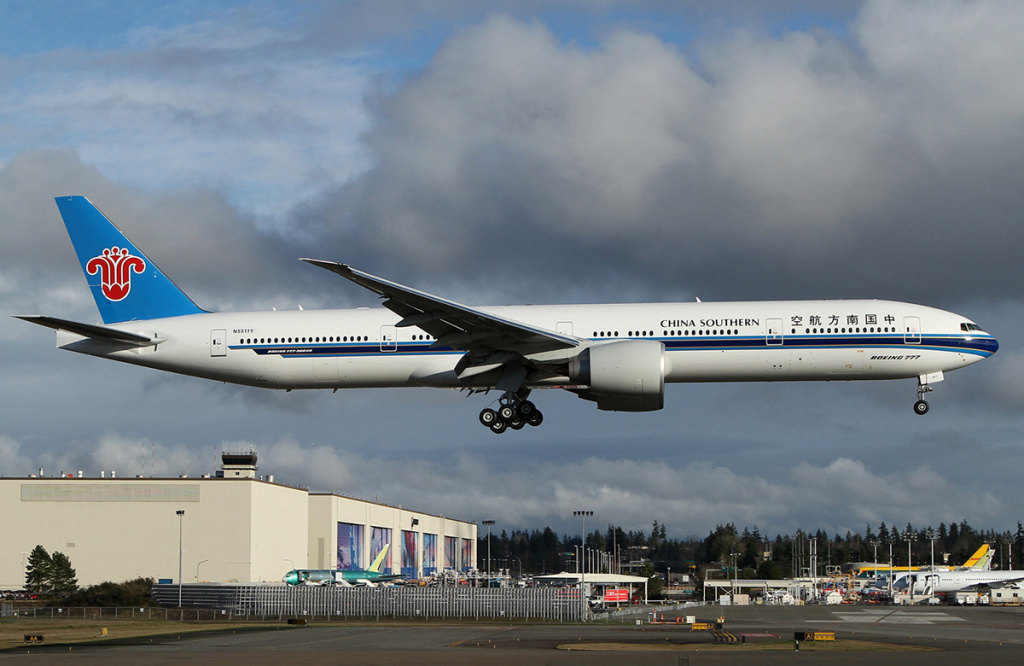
[(232, 527)]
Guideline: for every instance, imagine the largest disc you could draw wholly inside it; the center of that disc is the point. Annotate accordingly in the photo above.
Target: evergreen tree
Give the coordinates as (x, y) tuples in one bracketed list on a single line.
[(63, 578), (654, 584), (37, 571)]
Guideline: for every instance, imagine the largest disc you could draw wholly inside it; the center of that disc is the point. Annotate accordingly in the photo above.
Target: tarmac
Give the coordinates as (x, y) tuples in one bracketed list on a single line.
[(750, 634)]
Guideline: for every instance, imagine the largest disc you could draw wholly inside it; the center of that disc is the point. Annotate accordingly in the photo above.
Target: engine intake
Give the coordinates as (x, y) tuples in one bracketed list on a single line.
[(623, 376)]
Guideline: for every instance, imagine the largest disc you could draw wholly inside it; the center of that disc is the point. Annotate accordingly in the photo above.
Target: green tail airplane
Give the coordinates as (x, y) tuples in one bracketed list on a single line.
[(370, 577)]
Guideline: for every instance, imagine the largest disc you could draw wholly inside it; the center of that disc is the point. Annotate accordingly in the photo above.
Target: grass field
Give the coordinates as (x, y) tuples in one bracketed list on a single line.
[(13, 632)]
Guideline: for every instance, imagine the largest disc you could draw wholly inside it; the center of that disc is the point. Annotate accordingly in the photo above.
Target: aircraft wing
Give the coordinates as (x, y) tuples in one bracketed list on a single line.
[(388, 577), (1007, 582), (453, 324), (92, 331)]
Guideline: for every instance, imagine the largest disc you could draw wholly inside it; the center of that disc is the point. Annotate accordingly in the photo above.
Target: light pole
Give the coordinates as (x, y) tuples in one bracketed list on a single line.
[(892, 539), (911, 537), (932, 536), (582, 515), (197, 569), (181, 521), (488, 523), (732, 590)]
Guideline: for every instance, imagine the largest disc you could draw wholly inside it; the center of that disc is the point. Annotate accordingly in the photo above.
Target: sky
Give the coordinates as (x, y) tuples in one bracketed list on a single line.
[(530, 152)]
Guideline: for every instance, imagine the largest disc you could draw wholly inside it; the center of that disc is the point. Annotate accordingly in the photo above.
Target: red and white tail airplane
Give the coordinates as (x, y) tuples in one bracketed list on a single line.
[(617, 355)]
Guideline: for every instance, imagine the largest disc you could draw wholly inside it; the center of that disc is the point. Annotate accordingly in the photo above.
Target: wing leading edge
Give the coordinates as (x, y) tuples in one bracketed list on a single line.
[(453, 324)]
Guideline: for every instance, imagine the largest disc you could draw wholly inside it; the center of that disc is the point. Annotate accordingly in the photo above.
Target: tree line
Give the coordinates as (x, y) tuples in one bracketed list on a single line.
[(753, 554)]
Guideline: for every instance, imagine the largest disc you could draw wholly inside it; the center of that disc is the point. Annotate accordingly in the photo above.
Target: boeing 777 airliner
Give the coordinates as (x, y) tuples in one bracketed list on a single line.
[(619, 356)]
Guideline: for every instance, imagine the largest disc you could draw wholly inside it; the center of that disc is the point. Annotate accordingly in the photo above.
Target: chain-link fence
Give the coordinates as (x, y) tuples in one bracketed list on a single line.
[(560, 604)]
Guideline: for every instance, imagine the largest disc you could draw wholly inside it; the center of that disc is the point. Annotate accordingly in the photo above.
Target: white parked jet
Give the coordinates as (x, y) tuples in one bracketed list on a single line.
[(944, 582), (619, 356)]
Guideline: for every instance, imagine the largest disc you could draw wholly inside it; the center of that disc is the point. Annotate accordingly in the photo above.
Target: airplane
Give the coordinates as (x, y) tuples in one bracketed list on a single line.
[(345, 577), (981, 560), (944, 582), (619, 356)]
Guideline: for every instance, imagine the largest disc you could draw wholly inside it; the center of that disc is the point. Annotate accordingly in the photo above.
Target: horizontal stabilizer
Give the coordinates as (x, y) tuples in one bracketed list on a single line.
[(92, 331)]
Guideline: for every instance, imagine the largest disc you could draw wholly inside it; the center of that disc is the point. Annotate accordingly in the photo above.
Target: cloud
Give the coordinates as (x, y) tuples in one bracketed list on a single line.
[(221, 258), (756, 166), (519, 163), (237, 104), (687, 498)]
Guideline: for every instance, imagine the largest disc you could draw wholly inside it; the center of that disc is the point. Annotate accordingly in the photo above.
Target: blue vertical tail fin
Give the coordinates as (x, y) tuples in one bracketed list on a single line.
[(126, 285)]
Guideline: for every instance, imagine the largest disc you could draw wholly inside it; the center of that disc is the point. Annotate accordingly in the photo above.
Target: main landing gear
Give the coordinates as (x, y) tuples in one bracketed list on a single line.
[(921, 406), (513, 412)]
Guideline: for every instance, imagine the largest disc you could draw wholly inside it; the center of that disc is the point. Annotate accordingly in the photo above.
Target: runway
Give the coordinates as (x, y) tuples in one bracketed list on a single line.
[(885, 635)]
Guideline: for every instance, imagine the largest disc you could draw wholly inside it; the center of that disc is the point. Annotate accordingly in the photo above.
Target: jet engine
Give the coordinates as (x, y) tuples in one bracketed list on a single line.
[(622, 376)]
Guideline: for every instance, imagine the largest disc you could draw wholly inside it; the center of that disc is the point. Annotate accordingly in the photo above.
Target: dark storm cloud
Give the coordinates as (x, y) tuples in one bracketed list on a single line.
[(803, 166), (223, 260)]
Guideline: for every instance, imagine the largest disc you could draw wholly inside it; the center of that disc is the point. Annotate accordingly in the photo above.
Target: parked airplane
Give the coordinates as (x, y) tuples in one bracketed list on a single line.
[(981, 560), (944, 582), (346, 577), (619, 356)]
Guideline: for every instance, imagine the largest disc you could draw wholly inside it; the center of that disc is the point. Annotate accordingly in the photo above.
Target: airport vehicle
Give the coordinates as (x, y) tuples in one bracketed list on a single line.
[(617, 355), (345, 577)]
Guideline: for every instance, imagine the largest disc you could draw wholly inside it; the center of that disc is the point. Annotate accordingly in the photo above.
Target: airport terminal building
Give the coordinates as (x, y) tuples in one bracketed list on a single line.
[(233, 527)]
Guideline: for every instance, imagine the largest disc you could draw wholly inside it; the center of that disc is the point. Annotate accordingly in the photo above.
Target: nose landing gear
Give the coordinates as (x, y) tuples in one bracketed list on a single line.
[(513, 412)]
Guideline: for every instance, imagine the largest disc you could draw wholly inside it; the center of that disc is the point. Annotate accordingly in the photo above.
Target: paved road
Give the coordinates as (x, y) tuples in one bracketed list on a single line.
[(955, 636)]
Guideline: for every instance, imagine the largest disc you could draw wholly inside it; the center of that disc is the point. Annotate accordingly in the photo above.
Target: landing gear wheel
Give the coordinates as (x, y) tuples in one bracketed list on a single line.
[(499, 427), (536, 418), (507, 412), (488, 417), (527, 409), (921, 407), (517, 423)]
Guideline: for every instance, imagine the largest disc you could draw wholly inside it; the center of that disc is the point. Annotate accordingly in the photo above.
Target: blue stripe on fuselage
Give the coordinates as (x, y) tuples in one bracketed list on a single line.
[(980, 346)]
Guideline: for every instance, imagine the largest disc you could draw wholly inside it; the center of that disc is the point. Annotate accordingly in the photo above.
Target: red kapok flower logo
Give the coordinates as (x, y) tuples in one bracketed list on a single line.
[(115, 267)]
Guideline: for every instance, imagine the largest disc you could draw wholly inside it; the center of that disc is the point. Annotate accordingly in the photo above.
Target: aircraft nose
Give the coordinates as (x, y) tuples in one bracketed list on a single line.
[(291, 578)]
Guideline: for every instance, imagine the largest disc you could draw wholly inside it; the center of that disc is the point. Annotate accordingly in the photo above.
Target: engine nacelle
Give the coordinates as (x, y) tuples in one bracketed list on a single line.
[(623, 376)]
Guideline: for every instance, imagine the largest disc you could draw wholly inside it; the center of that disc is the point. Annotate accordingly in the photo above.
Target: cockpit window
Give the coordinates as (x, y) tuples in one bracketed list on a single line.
[(967, 327)]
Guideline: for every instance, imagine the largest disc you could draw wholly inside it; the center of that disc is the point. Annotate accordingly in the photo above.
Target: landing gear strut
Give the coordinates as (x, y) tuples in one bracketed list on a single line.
[(921, 406), (514, 411)]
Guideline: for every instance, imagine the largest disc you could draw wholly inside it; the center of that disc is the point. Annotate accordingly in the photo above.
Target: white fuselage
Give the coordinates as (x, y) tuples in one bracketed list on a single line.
[(704, 342), (944, 582)]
